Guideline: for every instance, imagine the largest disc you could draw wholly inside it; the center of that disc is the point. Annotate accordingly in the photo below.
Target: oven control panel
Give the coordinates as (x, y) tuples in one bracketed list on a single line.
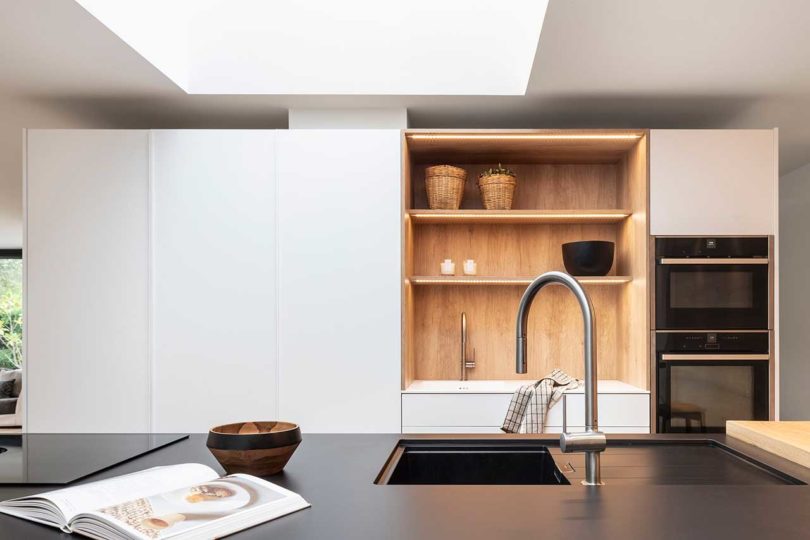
[(708, 342), (712, 247)]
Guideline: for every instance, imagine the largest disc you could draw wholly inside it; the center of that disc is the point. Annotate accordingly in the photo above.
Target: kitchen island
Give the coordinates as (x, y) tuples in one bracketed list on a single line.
[(336, 474)]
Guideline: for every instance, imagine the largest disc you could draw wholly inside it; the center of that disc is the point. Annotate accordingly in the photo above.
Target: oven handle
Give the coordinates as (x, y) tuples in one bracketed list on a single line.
[(687, 260), (718, 356)]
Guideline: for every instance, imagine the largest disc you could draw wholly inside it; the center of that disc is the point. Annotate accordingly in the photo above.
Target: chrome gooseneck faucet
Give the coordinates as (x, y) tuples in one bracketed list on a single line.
[(592, 441)]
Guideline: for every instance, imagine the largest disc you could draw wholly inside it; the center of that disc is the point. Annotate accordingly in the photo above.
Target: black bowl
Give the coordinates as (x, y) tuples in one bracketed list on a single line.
[(588, 258)]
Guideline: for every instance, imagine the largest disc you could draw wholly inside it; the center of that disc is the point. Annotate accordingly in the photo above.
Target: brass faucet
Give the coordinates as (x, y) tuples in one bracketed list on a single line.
[(465, 364)]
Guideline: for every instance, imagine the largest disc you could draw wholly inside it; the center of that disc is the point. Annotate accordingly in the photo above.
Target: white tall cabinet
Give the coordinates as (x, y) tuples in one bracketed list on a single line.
[(86, 281), (180, 279), (713, 182), (213, 241), (339, 289)]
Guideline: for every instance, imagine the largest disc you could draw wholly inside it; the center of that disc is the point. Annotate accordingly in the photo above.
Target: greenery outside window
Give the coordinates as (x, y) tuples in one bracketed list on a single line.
[(11, 308)]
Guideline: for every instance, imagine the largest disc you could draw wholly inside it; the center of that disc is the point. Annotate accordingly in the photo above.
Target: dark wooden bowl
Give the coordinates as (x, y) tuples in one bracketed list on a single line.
[(257, 448), (588, 258)]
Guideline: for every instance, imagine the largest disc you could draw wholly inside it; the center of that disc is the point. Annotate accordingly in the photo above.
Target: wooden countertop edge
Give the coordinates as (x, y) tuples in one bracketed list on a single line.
[(789, 440)]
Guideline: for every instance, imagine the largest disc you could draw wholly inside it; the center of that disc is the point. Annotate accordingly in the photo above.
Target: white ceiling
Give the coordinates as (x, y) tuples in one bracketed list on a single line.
[(607, 63)]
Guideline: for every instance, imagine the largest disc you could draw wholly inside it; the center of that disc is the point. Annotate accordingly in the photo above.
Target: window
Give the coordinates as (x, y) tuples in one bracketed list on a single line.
[(10, 308)]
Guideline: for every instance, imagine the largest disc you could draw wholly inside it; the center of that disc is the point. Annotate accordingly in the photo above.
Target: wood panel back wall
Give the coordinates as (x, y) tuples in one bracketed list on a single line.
[(502, 250), (555, 330), (541, 186)]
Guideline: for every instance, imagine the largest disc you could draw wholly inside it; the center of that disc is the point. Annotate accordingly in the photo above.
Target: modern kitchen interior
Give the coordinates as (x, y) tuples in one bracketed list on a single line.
[(441, 271)]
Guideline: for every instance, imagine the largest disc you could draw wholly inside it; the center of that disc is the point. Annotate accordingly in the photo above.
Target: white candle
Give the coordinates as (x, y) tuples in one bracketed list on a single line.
[(448, 267), (470, 267)]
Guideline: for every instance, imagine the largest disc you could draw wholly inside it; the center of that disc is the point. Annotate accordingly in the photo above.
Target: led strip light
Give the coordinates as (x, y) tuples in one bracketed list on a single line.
[(527, 136), (517, 217), (608, 280)]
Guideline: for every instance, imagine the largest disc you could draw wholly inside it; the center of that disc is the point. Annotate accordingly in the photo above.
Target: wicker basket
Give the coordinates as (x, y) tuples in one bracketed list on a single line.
[(497, 191), (445, 186)]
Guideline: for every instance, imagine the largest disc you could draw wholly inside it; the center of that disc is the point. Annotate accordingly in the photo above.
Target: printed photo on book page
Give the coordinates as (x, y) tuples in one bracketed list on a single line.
[(168, 514)]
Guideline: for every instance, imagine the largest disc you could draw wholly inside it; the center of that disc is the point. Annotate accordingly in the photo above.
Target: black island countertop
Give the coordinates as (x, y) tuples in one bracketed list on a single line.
[(336, 474)]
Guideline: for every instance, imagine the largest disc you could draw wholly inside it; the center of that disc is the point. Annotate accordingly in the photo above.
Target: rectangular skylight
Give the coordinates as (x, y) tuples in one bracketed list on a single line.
[(427, 47)]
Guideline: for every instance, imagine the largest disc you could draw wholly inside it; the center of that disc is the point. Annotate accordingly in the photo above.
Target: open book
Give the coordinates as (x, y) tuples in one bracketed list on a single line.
[(186, 501)]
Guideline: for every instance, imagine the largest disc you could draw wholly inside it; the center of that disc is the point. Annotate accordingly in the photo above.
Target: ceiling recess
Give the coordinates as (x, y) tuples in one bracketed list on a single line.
[(366, 47)]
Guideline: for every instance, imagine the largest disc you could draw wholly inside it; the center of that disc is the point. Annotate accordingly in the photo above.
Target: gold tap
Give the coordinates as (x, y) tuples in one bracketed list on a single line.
[(465, 364)]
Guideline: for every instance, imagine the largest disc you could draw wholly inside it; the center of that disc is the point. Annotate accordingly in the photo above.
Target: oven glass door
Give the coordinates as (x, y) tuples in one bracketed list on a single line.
[(699, 396), (711, 296)]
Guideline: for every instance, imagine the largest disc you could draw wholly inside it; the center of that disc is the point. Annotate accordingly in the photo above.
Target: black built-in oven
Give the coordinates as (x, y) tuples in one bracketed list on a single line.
[(706, 378), (718, 283)]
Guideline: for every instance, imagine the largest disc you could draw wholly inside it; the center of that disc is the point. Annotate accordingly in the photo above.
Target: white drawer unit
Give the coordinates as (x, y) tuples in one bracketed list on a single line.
[(459, 410), (470, 408), (442, 430)]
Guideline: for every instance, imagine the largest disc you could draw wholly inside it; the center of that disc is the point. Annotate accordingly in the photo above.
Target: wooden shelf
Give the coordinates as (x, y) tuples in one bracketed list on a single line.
[(509, 281), (434, 217), (521, 146)]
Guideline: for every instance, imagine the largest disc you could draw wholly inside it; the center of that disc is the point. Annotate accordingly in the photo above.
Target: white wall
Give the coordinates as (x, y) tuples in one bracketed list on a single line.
[(794, 236), (348, 118)]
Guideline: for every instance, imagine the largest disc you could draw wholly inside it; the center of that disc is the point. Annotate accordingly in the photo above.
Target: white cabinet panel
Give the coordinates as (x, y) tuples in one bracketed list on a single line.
[(713, 182), (86, 249), (339, 279), (466, 410), (554, 417), (214, 278), (614, 410), (449, 429), (484, 413)]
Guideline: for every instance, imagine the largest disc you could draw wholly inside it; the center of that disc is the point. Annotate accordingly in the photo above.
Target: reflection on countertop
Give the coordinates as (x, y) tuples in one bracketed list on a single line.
[(57, 458)]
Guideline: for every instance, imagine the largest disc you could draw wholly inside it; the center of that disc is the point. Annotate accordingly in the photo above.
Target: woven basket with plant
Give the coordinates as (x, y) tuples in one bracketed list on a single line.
[(497, 187), (445, 186)]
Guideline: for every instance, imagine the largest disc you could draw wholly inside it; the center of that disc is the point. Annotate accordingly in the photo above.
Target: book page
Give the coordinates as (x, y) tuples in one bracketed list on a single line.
[(94, 495), (222, 504)]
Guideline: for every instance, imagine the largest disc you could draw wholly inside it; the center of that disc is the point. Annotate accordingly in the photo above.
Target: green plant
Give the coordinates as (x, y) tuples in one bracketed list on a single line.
[(11, 340), (497, 170)]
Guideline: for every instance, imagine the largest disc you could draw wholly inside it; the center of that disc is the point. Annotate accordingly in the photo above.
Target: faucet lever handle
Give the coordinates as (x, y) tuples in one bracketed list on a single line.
[(589, 441)]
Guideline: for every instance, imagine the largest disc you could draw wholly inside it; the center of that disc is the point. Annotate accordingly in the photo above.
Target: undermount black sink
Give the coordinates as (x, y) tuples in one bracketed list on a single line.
[(624, 462), (472, 463)]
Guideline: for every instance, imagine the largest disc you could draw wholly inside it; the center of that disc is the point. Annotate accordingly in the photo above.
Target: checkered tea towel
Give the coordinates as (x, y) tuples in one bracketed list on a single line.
[(531, 402)]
